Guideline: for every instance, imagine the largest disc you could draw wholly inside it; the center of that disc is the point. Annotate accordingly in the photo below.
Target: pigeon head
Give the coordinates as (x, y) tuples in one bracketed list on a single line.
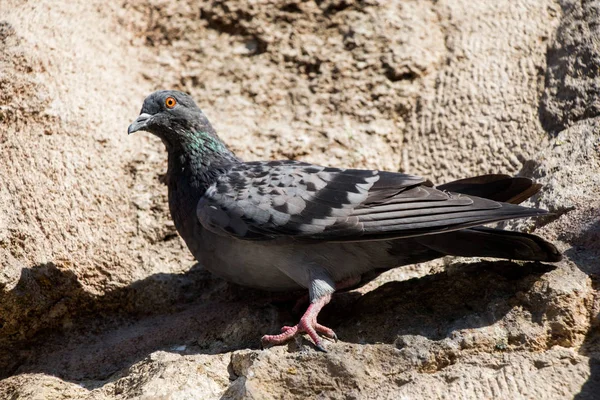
[(175, 118)]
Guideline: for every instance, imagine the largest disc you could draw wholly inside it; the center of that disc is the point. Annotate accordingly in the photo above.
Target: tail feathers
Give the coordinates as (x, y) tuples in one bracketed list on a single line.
[(496, 187), (488, 242)]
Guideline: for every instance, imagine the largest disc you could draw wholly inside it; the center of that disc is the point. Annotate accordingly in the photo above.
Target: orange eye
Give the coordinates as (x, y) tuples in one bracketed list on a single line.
[(170, 102)]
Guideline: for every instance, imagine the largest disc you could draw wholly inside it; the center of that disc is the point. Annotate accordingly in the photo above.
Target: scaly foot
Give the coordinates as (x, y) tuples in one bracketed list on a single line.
[(308, 324)]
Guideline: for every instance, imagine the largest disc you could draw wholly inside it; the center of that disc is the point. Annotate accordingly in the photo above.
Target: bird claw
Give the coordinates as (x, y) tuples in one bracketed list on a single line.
[(335, 338), (320, 348), (289, 332), (308, 324)]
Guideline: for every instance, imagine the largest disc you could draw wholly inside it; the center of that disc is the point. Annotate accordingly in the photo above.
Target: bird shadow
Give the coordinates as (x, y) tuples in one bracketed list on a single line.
[(462, 297), (59, 328), (52, 324)]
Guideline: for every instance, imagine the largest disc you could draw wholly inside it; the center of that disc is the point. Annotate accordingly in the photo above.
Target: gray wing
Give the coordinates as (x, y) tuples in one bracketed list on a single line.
[(269, 200)]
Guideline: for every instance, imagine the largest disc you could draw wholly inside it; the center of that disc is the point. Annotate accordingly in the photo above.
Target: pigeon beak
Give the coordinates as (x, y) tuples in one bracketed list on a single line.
[(141, 123)]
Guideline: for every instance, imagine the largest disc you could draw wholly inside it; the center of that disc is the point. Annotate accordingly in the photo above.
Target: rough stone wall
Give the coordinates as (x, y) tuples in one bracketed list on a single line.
[(99, 298)]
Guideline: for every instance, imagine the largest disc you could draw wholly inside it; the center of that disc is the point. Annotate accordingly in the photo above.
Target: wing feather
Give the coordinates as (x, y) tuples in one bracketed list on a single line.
[(300, 201)]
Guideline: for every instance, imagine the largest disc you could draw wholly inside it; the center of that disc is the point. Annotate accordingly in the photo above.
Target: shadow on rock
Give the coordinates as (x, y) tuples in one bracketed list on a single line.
[(79, 336), (585, 242), (49, 323), (466, 296), (585, 249), (587, 261), (591, 388), (591, 348)]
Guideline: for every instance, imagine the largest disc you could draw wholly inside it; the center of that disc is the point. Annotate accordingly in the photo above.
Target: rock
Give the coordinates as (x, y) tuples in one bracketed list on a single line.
[(572, 90), (99, 299)]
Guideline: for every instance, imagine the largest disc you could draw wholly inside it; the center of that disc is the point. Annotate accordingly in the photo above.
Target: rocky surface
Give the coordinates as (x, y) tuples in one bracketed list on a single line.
[(99, 299)]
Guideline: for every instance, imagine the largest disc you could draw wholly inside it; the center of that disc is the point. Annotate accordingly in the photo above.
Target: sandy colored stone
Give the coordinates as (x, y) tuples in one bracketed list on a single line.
[(99, 299)]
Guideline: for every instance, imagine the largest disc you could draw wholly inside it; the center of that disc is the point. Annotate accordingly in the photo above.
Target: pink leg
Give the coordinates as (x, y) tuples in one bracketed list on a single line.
[(344, 284), (308, 324)]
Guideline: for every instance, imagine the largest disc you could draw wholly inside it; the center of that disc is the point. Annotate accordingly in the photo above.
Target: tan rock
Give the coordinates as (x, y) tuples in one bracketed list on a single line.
[(99, 299)]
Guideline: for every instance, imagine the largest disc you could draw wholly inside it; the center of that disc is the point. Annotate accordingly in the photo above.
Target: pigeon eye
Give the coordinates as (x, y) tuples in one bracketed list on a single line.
[(170, 102)]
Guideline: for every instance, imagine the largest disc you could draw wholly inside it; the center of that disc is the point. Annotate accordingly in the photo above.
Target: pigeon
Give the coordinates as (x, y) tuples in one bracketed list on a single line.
[(289, 225)]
